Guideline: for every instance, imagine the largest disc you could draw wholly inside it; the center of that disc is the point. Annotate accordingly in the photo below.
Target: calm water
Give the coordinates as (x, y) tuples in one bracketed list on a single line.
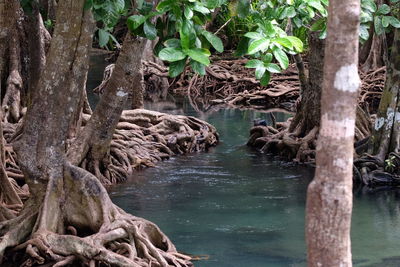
[(243, 208), (247, 209)]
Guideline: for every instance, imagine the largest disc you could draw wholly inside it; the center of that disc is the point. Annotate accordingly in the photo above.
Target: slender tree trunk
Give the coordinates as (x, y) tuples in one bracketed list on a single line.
[(95, 138), (308, 114), (385, 138), (329, 196)]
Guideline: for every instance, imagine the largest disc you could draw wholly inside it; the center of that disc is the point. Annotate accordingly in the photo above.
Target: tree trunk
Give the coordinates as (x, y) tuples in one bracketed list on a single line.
[(329, 196), (95, 138), (308, 114), (69, 217), (385, 138)]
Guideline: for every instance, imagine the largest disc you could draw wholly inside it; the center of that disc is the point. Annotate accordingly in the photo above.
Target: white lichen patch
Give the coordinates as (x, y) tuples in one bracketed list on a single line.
[(389, 118), (347, 79), (379, 122), (121, 92), (397, 116), (337, 129)]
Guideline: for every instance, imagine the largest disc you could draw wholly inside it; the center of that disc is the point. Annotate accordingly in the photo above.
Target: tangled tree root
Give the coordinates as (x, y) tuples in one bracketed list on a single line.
[(299, 147), (372, 171), (90, 230), (142, 138)]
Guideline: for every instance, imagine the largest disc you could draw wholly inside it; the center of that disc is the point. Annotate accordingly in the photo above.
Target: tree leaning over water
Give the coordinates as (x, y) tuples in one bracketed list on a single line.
[(69, 217), (329, 196)]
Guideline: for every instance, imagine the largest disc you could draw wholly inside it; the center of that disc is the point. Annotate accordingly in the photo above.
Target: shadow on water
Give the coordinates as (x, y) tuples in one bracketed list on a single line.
[(244, 208)]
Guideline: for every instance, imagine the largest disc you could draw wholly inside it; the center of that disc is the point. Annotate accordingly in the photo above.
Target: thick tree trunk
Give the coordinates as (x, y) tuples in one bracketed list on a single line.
[(69, 217), (329, 196)]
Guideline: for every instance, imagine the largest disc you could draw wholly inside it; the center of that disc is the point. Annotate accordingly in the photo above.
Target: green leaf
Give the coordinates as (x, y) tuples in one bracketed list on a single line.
[(120, 5), (379, 29), (266, 58), (394, 22), (200, 8), (199, 55), (198, 67), (296, 42), (272, 67), (149, 30), (369, 5), (254, 35), (258, 45), (383, 10), (364, 32), (175, 43), (211, 4), (318, 25), (188, 12), (242, 47), (281, 57), (176, 68), (265, 79), (260, 70), (214, 40), (187, 34), (317, 5), (171, 54), (254, 63), (165, 5), (104, 37), (284, 42), (385, 21), (288, 12), (135, 21)]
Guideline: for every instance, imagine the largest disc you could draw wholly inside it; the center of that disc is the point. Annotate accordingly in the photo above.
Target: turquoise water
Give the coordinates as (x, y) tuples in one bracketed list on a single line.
[(243, 208)]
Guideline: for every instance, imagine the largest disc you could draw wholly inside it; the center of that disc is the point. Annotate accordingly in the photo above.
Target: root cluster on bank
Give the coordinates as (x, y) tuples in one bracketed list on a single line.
[(142, 138)]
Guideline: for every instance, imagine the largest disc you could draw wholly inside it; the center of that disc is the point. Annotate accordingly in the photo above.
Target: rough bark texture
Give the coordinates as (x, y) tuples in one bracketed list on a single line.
[(381, 165), (384, 138), (96, 137), (308, 114), (329, 196), (69, 218)]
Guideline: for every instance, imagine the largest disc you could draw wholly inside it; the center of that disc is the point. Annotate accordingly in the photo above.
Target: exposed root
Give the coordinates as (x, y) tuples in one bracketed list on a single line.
[(372, 171), (295, 145), (101, 232), (143, 137)]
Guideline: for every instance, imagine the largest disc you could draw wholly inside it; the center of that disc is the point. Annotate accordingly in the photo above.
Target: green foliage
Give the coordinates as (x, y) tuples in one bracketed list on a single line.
[(380, 17), (107, 14), (390, 164), (183, 38)]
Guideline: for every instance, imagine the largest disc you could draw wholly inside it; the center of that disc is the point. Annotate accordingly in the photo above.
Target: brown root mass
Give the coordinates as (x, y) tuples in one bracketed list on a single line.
[(90, 230), (142, 138)]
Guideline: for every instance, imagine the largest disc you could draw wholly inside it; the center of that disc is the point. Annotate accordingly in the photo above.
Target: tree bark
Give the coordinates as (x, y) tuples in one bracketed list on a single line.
[(95, 138), (385, 138), (308, 114), (329, 196)]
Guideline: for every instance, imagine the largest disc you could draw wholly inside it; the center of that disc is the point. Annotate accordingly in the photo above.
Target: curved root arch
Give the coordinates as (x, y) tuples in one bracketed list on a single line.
[(91, 229)]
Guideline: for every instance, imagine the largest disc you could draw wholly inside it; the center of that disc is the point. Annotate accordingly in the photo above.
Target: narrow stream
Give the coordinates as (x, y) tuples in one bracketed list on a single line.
[(246, 209), (243, 208)]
